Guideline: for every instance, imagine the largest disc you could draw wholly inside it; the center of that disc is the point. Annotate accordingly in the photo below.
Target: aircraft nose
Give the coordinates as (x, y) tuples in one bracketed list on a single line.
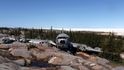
[(62, 41)]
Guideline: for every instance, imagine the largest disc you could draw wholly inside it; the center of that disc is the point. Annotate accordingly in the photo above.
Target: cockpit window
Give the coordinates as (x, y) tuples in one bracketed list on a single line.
[(62, 37)]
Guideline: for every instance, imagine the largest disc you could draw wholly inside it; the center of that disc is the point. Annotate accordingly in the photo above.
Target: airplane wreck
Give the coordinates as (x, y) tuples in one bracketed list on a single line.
[(63, 42)]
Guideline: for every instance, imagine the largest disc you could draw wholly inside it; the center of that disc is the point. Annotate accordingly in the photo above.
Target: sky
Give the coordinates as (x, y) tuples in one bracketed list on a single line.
[(62, 13)]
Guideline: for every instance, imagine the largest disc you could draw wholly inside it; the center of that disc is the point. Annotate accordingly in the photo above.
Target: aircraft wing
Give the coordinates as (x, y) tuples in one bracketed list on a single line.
[(84, 47)]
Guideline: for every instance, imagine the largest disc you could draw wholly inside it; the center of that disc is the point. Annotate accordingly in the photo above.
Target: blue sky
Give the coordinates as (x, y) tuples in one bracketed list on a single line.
[(62, 13)]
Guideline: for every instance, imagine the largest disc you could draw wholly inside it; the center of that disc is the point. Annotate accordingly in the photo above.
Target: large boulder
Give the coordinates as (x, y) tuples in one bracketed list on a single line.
[(21, 52), (6, 54), (102, 61), (64, 58), (9, 66), (5, 46), (3, 60), (43, 53), (13, 45), (19, 44), (39, 54), (22, 62)]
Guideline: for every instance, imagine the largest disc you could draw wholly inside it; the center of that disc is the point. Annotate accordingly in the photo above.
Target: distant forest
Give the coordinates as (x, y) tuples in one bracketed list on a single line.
[(111, 44)]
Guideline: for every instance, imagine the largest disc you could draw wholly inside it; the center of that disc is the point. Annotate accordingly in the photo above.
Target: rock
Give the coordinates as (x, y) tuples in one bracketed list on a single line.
[(83, 55), (92, 64), (44, 53), (13, 45), (3, 60), (55, 60), (67, 68), (77, 61), (92, 58), (28, 62), (21, 53), (81, 67), (2, 46), (40, 55), (97, 67), (5, 53), (41, 48), (39, 68), (25, 68), (118, 68), (66, 58), (87, 63), (122, 55), (22, 62), (61, 58), (5, 46), (9, 66), (19, 45), (56, 57), (102, 61)]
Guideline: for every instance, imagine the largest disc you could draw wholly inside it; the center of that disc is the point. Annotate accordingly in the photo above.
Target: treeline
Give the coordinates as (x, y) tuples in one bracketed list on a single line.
[(111, 44)]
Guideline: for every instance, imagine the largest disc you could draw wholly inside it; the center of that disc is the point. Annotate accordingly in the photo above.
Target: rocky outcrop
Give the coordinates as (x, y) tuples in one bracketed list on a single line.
[(67, 68), (118, 68), (49, 58), (21, 52), (22, 62), (6, 64), (3, 60), (9, 66)]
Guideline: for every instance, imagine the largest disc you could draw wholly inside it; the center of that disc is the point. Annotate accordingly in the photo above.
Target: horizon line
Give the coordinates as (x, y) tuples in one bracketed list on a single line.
[(117, 31)]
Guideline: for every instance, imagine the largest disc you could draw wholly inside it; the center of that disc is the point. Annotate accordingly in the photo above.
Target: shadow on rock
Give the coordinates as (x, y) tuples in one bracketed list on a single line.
[(41, 64)]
